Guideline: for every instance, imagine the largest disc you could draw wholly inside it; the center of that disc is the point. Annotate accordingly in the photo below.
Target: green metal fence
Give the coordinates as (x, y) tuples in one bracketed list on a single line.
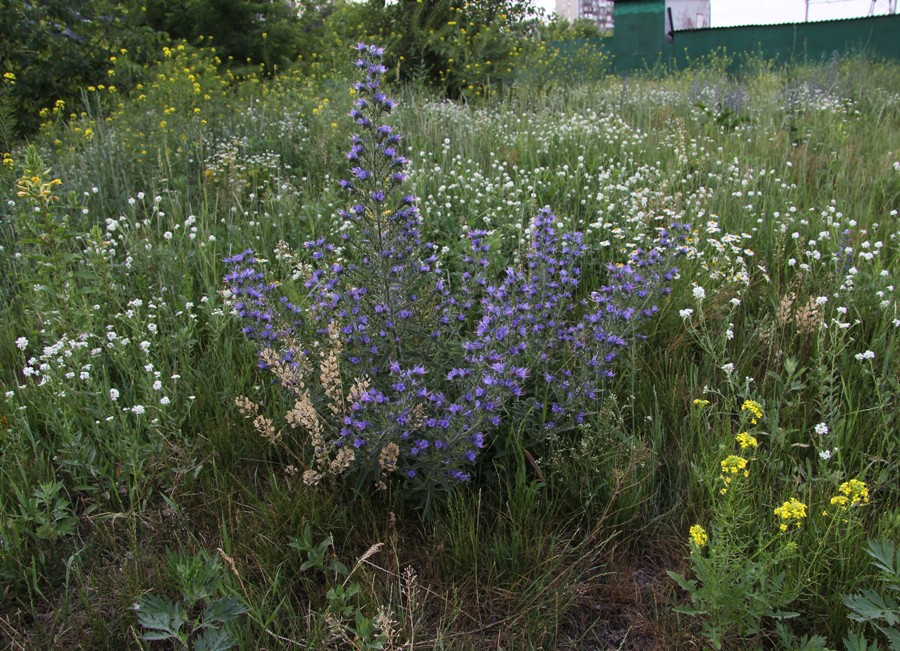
[(639, 40), (876, 36)]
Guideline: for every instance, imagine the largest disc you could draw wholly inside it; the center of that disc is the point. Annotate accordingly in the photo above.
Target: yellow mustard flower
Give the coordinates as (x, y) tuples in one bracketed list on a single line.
[(755, 410), (791, 512), (746, 440), (698, 535), (852, 493), (699, 403), (731, 466)]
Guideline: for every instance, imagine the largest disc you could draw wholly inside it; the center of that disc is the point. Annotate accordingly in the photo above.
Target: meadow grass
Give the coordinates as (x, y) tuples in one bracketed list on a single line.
[(121, 361)]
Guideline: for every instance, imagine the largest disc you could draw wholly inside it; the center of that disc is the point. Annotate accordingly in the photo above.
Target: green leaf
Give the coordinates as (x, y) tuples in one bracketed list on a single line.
[(887, 558), (856, 642), (222, 611), (893, 636), (161, 615), (685, 584), (814, 643), (869, 605), (213, 640)]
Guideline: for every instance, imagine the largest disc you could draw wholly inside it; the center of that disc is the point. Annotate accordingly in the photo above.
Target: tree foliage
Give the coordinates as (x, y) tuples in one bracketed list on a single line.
[(56, 47), (244, 31), (461, 47)]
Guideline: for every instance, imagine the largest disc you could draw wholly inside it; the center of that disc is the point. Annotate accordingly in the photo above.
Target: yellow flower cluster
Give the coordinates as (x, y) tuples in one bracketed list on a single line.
[(755, 410), (852, 492), (791, 512), (37, 189), (698, 535), (7, 160), (731, 466), (746, 441), (700, 404)]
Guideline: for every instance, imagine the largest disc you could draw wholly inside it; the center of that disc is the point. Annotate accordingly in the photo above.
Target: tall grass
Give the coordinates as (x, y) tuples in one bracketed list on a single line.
[(122, 441)]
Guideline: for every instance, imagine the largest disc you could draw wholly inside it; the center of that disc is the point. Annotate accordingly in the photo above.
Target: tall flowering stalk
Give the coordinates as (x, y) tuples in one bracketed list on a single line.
[(375, 290), (397, 375)]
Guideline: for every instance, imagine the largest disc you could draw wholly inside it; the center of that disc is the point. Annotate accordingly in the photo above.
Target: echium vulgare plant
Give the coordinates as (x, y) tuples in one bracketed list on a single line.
[(395, 373)]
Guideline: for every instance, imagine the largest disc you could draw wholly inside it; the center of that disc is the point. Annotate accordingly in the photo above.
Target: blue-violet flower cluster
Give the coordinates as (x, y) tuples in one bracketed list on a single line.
[(437, 366)]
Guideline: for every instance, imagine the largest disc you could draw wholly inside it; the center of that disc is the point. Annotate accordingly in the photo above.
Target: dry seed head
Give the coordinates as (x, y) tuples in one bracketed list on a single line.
[(247, 407), (304, 416), (785, 308), (291, 378), (266, 429), (410, 587), (385, 622), (387, 459), (360, 386), (341, 461), (808, 318), (330, 377), (417, 417), (311, 477)]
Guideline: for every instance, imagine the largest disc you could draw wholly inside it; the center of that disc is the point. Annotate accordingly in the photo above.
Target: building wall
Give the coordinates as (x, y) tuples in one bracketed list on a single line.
[(599, 11), (568, 9), (689, 14)]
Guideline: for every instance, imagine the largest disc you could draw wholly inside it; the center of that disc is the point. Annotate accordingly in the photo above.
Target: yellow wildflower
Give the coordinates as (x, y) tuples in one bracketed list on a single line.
[(852, 492), (700, 403), (698, 535), (746, 440), (731, 466), (755, 410), (791, 512)]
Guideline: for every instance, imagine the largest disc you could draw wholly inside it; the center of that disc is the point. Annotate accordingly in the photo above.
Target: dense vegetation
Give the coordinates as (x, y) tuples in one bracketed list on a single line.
[(653, 330)]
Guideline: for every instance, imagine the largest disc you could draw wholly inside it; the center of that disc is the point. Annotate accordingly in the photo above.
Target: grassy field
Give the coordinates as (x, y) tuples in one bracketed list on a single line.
[(734, 483)]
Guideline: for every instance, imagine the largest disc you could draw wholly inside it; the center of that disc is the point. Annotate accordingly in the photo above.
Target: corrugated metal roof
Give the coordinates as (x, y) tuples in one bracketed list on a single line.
[(824, 20)]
